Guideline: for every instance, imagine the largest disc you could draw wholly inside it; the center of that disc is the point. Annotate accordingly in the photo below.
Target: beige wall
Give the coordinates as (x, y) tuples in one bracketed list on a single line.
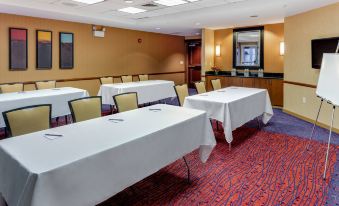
[(273, 35), (116, 54), (299, 31), (207, 50)]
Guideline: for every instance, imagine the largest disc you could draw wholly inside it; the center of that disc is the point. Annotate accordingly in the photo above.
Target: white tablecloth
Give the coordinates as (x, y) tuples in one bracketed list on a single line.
[(233, 106), (58, 97), (148, 91), (98, 158)]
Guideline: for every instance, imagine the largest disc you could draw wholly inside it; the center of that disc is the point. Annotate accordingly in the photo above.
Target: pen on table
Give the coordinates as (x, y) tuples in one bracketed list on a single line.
[(154, 109), (120, 120), (54, 135)]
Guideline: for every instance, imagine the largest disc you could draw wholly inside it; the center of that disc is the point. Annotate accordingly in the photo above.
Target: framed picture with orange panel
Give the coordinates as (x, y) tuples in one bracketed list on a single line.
[(66, 49), (43, 49), (18, 51)]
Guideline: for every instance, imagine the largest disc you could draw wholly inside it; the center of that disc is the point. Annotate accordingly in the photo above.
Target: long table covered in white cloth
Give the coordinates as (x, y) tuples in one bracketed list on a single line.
[(58, 97), (148, 91), (233, 106), (98, 158)]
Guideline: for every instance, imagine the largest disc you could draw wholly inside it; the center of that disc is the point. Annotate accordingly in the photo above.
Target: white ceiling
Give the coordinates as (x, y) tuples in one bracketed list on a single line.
[(184, 20)]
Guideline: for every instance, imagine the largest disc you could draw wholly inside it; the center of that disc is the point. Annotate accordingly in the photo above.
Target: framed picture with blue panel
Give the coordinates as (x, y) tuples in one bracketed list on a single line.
[(18, 49), (66, 50), (43, 49)]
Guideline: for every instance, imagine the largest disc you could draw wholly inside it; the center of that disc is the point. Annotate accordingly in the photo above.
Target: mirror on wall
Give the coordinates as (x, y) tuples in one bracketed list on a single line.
[(248, 48)]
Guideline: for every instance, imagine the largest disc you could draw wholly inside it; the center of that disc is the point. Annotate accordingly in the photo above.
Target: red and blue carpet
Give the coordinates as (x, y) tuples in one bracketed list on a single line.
[(262, 169)]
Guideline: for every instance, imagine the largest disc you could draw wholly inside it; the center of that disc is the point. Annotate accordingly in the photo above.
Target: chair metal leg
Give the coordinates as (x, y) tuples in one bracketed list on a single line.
[(6, 134), (188, 171), (57, 121), (230, 146), (66, 119), (329, 142), (315, 123)]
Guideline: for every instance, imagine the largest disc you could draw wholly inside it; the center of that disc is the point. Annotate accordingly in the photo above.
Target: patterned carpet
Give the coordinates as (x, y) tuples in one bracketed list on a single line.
[(267, 167), (263, 168)]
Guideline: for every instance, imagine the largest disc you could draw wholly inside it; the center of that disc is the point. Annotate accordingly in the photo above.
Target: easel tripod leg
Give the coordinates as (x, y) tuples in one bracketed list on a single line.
[(329, 143), (315, 123)]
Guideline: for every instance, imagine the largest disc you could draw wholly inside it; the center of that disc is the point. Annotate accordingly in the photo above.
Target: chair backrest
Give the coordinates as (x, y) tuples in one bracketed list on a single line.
[(106, 80), (143, 77), (8, 88), (182, 93), (200, 86), (126, 79), (126, 101), (26, 120), (85, 108), (45, 85), (216, 84)]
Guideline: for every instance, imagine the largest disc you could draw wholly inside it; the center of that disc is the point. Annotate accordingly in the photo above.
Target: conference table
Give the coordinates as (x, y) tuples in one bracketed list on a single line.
[(233, 106), (148, 91), (57, 97), (91, 161)]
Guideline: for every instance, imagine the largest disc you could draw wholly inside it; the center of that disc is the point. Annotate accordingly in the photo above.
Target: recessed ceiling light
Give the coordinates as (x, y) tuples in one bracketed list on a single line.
[(132, 10), (197, 33), (89, 1), (197, 24), (157, 28), (170, 2), (129, 1), (192, 0)]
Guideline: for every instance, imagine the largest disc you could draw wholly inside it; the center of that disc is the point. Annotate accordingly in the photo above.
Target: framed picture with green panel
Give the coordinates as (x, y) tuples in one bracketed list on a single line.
[(66, 49), (43, 49)]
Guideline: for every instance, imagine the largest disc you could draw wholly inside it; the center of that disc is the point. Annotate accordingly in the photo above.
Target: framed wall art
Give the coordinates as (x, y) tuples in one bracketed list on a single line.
[(43, 49), (18, 52), (66, 50)]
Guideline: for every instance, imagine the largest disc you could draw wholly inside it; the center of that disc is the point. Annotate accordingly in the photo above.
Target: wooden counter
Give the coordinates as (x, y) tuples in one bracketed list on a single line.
[(274, 86)]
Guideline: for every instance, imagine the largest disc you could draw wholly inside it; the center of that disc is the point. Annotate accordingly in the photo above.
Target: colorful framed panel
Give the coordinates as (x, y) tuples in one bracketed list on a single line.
[(66, 50), (18, 52), (43, 49)]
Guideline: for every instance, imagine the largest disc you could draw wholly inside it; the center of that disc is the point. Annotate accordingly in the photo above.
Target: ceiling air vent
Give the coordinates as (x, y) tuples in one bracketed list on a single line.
[(69, 4), (149, 5)]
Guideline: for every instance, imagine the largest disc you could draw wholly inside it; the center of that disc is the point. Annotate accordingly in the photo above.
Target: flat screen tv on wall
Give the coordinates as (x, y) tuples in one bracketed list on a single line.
[(321, 46)]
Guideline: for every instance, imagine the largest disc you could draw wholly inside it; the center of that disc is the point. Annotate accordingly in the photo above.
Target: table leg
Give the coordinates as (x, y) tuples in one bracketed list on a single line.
[(2, 201), (188, 171), (259, 124)]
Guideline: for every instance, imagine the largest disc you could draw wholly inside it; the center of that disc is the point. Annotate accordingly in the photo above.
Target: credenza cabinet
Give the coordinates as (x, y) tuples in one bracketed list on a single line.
[(274, 86)]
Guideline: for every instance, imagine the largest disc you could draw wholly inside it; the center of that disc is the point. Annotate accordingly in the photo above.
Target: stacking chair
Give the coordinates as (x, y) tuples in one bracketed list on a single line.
[(45, 85), (126, 101), (28, 119), (216, 84), (126, 79), (8, 88), (182, 93), (106, 80), (143, 77), (85, 108), (200, 87)]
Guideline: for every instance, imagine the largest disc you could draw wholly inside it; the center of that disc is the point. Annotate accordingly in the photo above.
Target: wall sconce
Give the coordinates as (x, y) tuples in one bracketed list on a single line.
[(282, 48), (217, 50), (98, 32)]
